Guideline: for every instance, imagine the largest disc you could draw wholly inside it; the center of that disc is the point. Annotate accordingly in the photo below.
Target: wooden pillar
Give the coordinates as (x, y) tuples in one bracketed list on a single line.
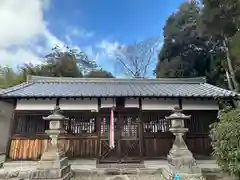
[(141, 138), (180, 102), (98, 124), (117, 133)]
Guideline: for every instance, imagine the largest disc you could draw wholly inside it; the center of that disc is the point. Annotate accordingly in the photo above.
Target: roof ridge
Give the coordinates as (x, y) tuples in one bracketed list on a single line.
[(196, 80)]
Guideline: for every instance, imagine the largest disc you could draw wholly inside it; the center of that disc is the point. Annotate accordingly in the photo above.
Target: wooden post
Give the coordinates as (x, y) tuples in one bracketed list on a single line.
[(98, 124), (180, 102), (141, 138)]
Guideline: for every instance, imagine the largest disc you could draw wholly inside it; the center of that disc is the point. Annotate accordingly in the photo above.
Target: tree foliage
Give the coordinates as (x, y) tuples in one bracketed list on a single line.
[(185, 52), (99, 74), (61, 62), (220, 20), (201, 39), (226, 141), (9, 78), (69, 62)]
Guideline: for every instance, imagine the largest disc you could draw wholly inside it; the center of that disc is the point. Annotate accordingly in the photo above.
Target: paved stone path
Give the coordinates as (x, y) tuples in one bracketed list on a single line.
[(87, 170)]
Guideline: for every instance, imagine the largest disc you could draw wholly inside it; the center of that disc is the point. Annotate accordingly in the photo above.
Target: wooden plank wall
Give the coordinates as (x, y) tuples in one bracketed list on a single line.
[(26, 149), (199, 144), (158, 146), (158, 140), (32, 149)]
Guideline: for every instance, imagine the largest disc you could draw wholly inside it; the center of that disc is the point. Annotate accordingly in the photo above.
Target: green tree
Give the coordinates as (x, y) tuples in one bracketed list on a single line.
[(65, 62), (202, 41), (99, 74), (226, 141), (185, 52), (69, 62), (9, 78), (220, 20)]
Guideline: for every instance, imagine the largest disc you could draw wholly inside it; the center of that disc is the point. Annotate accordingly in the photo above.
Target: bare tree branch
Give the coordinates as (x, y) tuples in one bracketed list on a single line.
[(136, 59)]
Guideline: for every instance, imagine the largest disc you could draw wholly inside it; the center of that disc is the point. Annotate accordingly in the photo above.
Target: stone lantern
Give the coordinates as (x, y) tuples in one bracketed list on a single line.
[(53, 163), (180, 160)]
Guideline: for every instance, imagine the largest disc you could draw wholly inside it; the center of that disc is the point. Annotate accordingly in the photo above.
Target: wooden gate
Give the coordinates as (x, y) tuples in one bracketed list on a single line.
[(126, 135)]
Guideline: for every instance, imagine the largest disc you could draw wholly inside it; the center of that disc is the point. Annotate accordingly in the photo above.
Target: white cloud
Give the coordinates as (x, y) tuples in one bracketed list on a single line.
[(82, 33), (19, 22), (25, 35), (74, 32), (51, 40), (108, 48), (102, 51), (23, 25), (20, 55)]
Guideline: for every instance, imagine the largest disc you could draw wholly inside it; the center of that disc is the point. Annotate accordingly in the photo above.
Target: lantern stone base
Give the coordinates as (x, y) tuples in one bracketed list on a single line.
[(53, 165), (52, 158), (63, 173), (181, 162)]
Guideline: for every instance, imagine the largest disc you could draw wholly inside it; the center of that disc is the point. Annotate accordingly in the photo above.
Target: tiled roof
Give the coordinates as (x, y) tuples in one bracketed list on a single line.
[(109, 87)]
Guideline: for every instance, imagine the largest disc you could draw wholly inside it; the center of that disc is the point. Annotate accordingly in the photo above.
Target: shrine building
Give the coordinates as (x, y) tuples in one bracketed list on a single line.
[(141, 131)]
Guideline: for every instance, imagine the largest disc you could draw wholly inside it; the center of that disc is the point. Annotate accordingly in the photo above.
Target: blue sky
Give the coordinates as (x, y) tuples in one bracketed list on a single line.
[(125, 21), (86, 24)]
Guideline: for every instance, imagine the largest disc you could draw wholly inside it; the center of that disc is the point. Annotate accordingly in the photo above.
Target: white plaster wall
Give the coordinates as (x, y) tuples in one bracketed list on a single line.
[(198, 104), (108, 102), (6, 113), (131, 103), (159, 104), (79, 104), (36, 104)]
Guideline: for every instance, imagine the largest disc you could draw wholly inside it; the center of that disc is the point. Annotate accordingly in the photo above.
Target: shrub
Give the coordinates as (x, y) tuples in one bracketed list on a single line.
[(225, 136)]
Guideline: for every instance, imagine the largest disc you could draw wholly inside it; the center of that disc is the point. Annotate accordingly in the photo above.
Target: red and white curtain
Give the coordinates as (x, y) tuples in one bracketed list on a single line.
[(111, 130)]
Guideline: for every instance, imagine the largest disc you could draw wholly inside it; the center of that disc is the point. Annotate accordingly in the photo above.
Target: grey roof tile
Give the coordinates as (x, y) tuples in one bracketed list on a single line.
[(99, 87)]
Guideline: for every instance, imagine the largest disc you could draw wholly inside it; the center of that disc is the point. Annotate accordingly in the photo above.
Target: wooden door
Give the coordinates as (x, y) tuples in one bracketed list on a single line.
[(126, 135)]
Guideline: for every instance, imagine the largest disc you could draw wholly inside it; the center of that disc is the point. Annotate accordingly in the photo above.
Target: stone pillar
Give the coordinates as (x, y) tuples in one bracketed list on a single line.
[(53, 163), (180, 160)]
